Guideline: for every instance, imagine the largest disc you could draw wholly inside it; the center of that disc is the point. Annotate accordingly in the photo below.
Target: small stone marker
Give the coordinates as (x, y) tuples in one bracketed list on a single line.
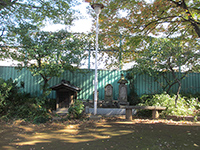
[(108, 97)]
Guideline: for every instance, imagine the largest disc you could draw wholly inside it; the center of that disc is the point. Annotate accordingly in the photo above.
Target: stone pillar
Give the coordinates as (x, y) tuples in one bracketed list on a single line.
[(123, 91), (155, 114), (129, 114)]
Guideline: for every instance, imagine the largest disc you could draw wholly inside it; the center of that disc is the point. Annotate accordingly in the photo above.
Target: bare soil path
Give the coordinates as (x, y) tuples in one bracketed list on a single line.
[(105, 134)]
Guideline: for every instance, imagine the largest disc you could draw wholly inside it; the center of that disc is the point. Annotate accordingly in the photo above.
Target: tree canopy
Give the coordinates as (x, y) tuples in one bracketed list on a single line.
[(135, 21), (167, 59), (159, 17), (33, 12), (47, 54)]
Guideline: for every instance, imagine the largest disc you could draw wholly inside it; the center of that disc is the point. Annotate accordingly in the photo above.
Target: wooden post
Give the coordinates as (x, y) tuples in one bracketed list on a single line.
[(57, 104), (57, 101)]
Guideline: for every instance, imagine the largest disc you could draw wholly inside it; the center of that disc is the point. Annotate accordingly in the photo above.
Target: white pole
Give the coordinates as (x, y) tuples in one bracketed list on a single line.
[(96, 69), (97, 8)]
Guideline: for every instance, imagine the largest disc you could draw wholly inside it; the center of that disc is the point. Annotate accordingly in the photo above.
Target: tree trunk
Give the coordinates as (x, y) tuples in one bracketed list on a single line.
[(178, 91), (44, 87), (170, 86), (176, 81)]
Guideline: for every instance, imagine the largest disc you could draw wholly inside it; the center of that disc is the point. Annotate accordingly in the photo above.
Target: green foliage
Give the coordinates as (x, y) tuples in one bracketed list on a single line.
[(191, 95), (158, 17), (17, 105), (41, 119), (164, 55), (9, 95), (185, 106), (133, 97), (5, 88), (133, 22), (163, 58), (36, 13), (76, 109), (48, 54)]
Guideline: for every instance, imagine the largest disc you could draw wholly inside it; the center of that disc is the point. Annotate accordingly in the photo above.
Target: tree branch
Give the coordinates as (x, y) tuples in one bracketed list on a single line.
[(172, 30), (2, 32), (190, 19), (5, 3), (157, 21)]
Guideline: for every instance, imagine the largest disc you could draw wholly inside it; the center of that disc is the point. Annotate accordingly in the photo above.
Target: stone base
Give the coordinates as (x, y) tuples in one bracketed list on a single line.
[(95, 117), (107, 104), (123, 103), (62, 111)]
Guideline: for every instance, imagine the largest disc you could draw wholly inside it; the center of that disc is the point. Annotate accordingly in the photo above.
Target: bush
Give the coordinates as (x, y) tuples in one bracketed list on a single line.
[(133, 98), (17, 105), (10, 97), (41, 119), (6, 87), (184, 107), (76, 110)]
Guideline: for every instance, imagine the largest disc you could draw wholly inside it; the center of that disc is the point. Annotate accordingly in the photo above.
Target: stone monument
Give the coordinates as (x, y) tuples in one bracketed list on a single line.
[(123, 91), (108, 95)]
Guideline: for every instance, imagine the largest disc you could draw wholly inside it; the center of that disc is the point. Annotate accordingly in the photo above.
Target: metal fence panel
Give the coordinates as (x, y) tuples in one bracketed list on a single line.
[(80, 78), (143, 84)]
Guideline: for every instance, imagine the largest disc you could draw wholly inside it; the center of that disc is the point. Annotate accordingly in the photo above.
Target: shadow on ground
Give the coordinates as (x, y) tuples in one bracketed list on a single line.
[(105, 134)]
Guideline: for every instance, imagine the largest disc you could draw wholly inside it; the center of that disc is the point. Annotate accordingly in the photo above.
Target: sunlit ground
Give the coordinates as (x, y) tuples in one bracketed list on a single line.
[(109, 133)]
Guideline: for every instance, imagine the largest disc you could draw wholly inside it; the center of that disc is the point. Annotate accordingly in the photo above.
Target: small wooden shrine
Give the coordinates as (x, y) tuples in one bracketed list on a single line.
[(65, 94)]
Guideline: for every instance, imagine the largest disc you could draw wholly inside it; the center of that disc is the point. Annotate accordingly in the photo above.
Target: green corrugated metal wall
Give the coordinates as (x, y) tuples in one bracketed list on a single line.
[(82, 79), (143, 83)]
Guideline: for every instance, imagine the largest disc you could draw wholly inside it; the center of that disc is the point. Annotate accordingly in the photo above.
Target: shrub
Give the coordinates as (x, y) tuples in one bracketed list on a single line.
[(41, 119), (10, 97), (17, 105), (184, 107), (5, 90), (76, 109), (133, 97)]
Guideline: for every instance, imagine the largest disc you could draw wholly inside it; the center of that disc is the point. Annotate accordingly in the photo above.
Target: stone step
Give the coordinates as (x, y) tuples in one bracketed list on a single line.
[(62, 111)]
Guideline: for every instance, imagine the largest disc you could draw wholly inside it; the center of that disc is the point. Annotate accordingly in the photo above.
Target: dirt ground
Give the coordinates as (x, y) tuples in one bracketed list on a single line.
[(111, 133)]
